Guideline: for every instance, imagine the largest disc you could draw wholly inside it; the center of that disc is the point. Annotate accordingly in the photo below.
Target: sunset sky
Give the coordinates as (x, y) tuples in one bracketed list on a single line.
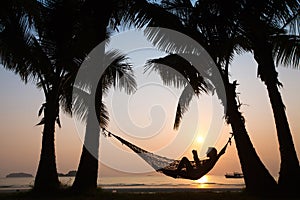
[(146, 118)]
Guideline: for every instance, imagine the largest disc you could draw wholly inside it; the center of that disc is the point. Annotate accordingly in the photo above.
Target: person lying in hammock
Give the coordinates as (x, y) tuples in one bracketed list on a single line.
[(186, 170)]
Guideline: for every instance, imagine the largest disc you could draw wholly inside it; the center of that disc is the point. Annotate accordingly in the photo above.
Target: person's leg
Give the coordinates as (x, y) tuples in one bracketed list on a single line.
[(169, 172), (184, 163)]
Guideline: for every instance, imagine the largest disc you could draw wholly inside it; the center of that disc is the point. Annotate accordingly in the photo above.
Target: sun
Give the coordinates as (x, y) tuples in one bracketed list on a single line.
[(200, 139)]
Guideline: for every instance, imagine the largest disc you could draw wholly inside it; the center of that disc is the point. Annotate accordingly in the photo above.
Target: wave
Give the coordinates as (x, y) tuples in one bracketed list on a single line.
[(121, 185), (143, 185), (6, 186), (215, 183), (15, 186)]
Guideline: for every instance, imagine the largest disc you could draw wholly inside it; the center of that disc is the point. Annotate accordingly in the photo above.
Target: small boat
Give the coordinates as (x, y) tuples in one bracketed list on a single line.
[(234, 175)]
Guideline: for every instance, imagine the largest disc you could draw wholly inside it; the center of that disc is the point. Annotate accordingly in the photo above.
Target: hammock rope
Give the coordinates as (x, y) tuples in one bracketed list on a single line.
[(160, 163)]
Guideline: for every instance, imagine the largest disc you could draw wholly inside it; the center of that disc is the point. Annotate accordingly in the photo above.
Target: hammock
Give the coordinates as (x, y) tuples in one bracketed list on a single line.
[(166, 165)]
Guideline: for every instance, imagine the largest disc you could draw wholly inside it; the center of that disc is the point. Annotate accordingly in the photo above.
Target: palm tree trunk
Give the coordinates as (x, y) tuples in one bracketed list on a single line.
[(289, 166), (97, 18), (46, 179), (87, 173), (257, 178)]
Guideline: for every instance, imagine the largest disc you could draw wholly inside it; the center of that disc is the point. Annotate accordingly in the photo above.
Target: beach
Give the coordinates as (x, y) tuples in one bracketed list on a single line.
[(144, 194), (132, 193)]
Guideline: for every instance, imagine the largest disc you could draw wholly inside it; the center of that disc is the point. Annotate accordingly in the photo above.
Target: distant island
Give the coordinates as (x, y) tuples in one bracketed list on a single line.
[(69, 174), (26, 175), (18, 175)]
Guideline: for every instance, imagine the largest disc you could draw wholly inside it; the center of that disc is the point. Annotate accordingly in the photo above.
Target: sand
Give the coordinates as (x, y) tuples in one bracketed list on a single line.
[(141, 194)]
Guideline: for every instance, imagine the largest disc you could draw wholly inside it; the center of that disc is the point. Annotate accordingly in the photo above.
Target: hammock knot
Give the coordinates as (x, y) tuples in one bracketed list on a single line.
[(106, 132)]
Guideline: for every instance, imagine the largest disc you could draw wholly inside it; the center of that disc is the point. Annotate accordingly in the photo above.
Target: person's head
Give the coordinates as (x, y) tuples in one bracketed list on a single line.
[(211, 152)]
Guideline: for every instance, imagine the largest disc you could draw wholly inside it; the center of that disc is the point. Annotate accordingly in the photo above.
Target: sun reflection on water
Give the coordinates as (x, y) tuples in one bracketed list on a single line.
[(201, 183)]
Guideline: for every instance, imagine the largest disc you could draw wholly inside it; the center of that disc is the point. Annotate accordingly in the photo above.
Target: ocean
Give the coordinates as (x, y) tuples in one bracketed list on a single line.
[(137, 182)]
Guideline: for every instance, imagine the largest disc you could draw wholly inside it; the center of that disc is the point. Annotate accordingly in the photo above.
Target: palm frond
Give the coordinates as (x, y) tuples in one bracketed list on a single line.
[(286, 50), (177, 71), (42, 122), (58, 121), (143, 13), (182, 74), (281, 10), (81, 106), (292, 24), (80, 103), (166, 68), (16, 41), (104, 116), (183, 104), (183, 9), (41, 110), (169, 41), (119, 73), (66, 92)]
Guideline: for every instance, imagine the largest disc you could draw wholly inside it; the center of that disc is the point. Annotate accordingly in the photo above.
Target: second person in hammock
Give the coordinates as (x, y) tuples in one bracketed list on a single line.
[(186, 169)]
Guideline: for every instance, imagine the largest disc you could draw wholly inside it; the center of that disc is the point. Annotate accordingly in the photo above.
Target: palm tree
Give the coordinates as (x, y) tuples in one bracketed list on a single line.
[(98, 19), (43, 48), (260, 23), (265, 25), (54, 62), (118, 74), (212, 25)]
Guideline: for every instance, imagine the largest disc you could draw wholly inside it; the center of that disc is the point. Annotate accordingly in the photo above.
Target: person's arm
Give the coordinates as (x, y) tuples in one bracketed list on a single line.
[(196, 158), (222, 151)]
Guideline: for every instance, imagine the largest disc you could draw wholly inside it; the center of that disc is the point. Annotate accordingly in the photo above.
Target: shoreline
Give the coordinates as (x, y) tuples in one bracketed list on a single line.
[(144, 190), (170, 190)]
